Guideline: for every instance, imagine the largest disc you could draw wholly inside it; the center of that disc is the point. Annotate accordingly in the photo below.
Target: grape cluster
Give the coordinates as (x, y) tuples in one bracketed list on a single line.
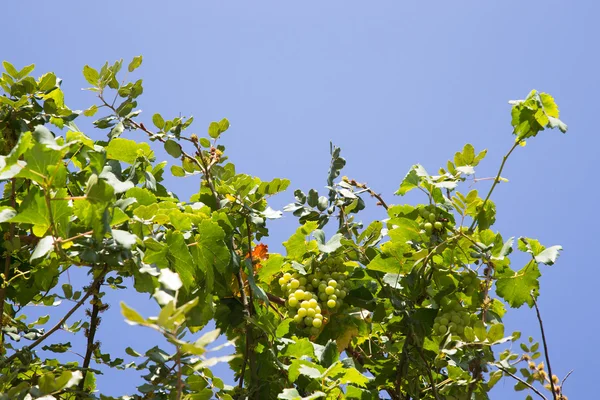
[(470, 283), (311, 298), (453, 319), (432, 221)]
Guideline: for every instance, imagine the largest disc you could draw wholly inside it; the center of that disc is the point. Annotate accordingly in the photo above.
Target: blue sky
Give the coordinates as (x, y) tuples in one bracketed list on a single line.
[(393, 83)]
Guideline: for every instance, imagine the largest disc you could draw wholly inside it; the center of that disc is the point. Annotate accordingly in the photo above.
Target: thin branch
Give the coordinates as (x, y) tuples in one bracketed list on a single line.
[(58, 324), (91, 333), (522, 381), (179, 380), (495, 181), (537, 310)]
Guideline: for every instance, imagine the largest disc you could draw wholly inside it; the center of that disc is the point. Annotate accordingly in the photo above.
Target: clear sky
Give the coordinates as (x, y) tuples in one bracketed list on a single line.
[(393, 83)]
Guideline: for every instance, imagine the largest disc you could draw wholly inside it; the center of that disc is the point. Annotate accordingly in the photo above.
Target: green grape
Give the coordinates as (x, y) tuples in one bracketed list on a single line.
[(312, 303), (299, 294), (295, 284), (308, 321), (293, 302), (322, 287), (311, 312), (323, 296), (317, 323), (305, 304), (342, 294), (310, 287), (282, 281), (302, 312), (298, 319), (442, 329), (329, 290), (308, 295), (315, 282), (332, 297), (438, 225), (466, 319), (424, 213), (319, 316), (331, 303), (443, 321), (452, 327), (431, 217), (337, 292), (428, 227), (314, 331), (456, 319), (287, 276), (318, 310), (436, 327)]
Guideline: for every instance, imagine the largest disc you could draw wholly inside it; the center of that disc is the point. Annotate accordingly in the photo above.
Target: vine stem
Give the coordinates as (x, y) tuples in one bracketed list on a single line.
[(496, 180), (7, 262), (522, 381), (58, 324), (539, 317)]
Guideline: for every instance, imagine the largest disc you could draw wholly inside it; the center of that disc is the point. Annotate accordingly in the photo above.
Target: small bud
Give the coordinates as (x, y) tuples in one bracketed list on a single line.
[(194, 138), (555, 379)]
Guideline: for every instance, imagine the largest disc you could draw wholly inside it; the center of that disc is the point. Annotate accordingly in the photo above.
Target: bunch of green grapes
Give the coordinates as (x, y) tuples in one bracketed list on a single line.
[(433, 221), (311, 298), (470, 283), (453, 318)]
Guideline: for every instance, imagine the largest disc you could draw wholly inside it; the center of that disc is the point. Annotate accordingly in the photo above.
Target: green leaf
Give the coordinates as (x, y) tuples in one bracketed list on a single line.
[(135, 63), (412, 179), (91, 75), (297, 245), (43, 247), (173, 148), (176, 170), (116, 131), (25, 71), (127, 150), (132, 317), (270, 267), (47, 82), (8, 67), (223, 125), (515, 287), (496, 332), (302, 347), (34, 211), (330, 354), (180, 258), (332, 245), (214, 130), (210, 252), (158, 121)]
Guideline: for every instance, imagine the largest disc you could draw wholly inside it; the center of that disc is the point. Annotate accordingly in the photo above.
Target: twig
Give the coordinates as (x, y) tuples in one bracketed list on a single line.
[(91, 334), (522, 381), (537, 310), (58, 324), (495, 181), (179, 381)]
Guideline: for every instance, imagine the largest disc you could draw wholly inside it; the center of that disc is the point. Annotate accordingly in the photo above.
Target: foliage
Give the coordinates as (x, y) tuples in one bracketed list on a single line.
[(410, 307)]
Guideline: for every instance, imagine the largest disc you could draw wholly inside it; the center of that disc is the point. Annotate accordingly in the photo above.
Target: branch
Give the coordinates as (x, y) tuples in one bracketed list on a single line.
[(92, 331), (522, 381), (537, 310), (496, 180), (58, 324)]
